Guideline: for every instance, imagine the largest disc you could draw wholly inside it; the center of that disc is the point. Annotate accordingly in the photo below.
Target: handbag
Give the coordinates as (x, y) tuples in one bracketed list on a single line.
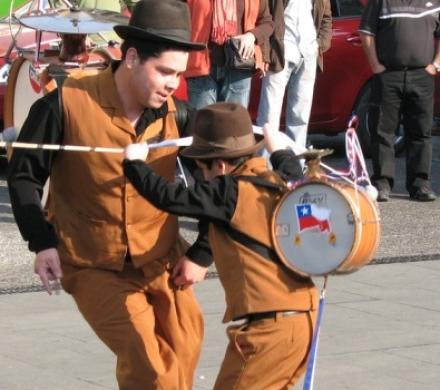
[(233, 59)]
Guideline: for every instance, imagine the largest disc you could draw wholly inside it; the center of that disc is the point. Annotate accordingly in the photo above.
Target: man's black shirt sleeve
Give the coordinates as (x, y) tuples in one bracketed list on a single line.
[(29, 169)]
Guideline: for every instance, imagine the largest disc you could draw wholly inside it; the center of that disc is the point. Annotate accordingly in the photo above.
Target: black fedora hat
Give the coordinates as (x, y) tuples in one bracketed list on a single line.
[(222, 130), (166, 21)]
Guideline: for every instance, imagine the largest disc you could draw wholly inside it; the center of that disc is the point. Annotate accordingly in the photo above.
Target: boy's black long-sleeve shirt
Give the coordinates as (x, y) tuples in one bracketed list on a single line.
[(214, 201)]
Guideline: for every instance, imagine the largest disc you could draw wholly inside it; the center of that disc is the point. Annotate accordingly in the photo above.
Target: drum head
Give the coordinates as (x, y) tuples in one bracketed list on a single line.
[(314, 229), (23, 89)]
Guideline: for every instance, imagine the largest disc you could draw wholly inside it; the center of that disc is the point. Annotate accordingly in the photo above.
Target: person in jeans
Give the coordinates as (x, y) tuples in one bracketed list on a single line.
[(213, 22), (303, 30), (402, 42)]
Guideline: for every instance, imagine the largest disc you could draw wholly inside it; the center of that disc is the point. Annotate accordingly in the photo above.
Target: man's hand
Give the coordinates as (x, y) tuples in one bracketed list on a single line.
[(378, 68), (47, 267), (264, 70), (136, 151), (185, 273), (246, 46), (430, 68)]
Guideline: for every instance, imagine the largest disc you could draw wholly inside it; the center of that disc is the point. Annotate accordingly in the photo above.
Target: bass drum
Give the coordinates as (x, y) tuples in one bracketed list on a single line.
[(24, 88), (321, 228), (27, 84)]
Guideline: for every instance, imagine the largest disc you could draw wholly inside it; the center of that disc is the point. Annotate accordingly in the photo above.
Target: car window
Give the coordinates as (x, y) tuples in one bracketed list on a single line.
[(345, 8)]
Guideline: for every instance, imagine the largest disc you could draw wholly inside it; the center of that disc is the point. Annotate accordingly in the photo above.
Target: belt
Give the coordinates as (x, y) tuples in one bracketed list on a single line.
[(405, 67), (267, 315)]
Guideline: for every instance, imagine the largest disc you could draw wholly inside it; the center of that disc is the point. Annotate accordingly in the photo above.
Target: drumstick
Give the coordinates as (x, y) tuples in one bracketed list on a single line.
[(97, 149)]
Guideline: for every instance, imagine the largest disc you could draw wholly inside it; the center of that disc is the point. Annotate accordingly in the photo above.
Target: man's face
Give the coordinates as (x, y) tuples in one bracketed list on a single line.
[(157, 78)]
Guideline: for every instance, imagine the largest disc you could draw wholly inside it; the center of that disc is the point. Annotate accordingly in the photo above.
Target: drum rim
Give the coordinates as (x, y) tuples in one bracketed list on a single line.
[(357, 225), (8, 107), (9, 97)]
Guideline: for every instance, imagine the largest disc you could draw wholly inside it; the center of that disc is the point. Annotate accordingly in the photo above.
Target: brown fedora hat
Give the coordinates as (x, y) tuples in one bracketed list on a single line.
[(222, 130), (166, 21)]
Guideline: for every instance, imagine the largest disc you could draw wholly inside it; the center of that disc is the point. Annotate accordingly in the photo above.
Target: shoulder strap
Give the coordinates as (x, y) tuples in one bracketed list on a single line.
[(254, 245), (261, 249), (183, 114), (259, 181), (59, 74)]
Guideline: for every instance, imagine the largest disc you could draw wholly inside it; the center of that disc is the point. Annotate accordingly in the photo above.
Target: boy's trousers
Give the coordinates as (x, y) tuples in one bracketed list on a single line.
[(268, 354)]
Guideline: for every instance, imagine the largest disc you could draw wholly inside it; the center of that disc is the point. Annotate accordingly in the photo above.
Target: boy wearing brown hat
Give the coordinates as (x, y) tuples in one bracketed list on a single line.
[(113, 250), (274, 306)]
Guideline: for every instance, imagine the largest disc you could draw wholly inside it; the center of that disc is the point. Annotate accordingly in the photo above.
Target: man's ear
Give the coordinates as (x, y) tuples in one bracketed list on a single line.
[(131, 57)]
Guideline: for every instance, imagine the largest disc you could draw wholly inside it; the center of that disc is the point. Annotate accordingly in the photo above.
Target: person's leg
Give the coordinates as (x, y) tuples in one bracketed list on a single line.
[(117, 306), (202, 91), (299, 100), (273, 87), (236, 87), (179, 324), (267, 354), (418, 112), (383, 120)]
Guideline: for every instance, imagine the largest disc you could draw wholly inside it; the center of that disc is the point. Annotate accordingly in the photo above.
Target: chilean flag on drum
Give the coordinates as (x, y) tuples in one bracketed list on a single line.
[(311, 216)]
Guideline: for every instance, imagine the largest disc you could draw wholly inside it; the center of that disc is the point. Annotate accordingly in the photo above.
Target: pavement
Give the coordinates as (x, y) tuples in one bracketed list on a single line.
[(380, 329)]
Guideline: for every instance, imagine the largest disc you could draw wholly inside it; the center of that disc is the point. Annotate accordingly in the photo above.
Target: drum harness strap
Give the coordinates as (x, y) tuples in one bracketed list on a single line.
[(254, 245), (59, 74)]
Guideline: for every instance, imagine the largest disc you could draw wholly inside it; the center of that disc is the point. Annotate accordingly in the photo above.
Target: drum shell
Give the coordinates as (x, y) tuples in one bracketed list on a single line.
[(361, 247), (367, 234)]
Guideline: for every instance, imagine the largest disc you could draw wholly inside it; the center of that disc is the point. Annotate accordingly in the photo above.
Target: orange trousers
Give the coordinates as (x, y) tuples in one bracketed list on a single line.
[(155, 331), (269, 354)]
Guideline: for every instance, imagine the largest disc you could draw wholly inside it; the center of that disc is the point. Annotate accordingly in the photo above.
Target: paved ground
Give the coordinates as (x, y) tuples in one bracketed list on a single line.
[(380, 331), (381, 327)]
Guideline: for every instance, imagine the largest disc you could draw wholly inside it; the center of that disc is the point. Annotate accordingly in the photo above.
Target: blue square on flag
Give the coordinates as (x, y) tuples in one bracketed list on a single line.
[(312, 217)]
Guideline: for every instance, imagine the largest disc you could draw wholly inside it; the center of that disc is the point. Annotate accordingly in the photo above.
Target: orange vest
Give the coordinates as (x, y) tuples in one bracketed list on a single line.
[(251, 282), (97, 213), (199, 63)]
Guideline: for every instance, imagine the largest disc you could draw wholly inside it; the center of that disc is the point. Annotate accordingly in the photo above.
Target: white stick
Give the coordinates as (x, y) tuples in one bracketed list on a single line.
[(76, 148)]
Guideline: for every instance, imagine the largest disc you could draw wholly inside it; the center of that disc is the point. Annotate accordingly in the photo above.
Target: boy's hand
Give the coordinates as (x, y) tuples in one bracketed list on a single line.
[(185, 273), (136, 151)]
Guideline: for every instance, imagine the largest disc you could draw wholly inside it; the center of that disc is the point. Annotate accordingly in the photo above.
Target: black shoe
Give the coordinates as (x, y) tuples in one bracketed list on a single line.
[(383, 195), (423, 194)]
